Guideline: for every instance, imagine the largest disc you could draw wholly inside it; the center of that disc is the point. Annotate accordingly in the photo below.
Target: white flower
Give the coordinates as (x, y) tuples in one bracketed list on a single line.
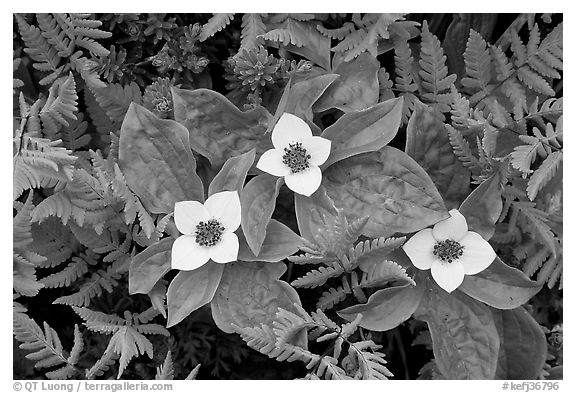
[(450, 251), (207, 231), (296, 155)]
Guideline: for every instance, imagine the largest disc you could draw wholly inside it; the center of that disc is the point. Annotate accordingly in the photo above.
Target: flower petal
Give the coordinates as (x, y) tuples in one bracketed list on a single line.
[(271, 162), (226, 250), (448, 276), (187, 214), (225, 207), (289, 129), (187, 254), (454, 228), (419, 249), (318, 148), (477, 255), (305, 182)]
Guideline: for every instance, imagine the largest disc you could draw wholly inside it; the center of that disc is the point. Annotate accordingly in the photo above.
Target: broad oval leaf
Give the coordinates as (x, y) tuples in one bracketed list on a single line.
[(233, 173), (428, 144), (280, 242), (316, 47), (483, 206), (148, 266), (258, 201), (190, 290), (389, 187), (364, 131), (523, 346), (500, 286), (250, 294), (465, 340), (310, 212), (303, 94), (218, 129), (386, 308), (156, 160), (356, 89)]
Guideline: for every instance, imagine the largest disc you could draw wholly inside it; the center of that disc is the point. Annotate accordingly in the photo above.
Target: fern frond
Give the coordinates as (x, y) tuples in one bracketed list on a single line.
[(461, 148), (434, 72), (99, 118), (22, 224), (74, 136), (478, 67), (24, 279), (54, 241), (403, 59), (58, 205), (93, 286), (534, 260), (338, 33), (193, 374), (133, 207), (252, 29), (214, 25), (40, 162), (262, 339), (534, 81), (166, 369), (102, 365), (534, 221), (115, 99), (371, 363), (74, 270), (544, 174), (41, 51), (60, 105), (383, 273), (332, 297), (374, 249), (287, 325), (352, 40), (46, 347), (315, 278), (127, 339), (289, 33)]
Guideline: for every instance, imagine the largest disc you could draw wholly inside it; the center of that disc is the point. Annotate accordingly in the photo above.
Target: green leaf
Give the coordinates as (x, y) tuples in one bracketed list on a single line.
[(483, 206), (310, 212), (386, 308), (389, 187), (190, 290), (280, 242), (250, 294), (304, 94), (148, 266), (218, 129), (363, 131), (500, 286), (465, 340), (258, 200), (156, 160), (523, 346), (427, 142), (356, 89), (233, 173), (316, 47)]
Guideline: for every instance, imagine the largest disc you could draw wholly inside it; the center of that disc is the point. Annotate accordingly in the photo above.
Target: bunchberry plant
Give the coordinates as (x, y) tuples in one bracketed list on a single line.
[(285, 196)]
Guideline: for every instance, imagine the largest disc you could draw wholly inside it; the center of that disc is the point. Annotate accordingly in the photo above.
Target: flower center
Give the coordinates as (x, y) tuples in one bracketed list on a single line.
[(296, 157), (209, 233), (448, 250)]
